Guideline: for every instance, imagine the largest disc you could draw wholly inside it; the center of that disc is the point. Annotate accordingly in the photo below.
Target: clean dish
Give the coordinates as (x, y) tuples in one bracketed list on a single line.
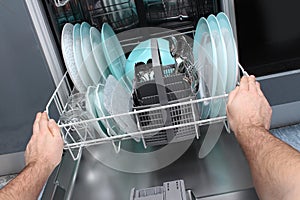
[(219, 106), (90, 107), (114, 54), (232, 54), (95, 37), (82, 71), (117, 101), (205, 59), (68, 54), (142, 54), (111, 123), (87, 53), (101, 113)]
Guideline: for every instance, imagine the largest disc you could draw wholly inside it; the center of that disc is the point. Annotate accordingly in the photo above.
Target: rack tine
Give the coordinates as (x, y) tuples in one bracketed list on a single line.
[(117, 147), (227, 126)]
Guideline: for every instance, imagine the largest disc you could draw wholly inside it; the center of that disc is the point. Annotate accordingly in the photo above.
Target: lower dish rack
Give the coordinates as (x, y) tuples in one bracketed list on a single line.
[(80, 134)]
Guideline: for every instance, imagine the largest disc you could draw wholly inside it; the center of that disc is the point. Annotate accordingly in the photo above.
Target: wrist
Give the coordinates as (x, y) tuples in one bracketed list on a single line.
[(41, 165), (246, 130)]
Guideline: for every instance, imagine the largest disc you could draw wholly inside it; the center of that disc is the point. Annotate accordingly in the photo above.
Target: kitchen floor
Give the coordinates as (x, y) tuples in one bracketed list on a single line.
[(289, 134), (5, 179)]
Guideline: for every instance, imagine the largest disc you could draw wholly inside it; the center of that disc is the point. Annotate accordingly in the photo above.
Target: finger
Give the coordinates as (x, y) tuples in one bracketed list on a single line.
[(36, 128), (260, 93), (244, 83), (43, 124), (54, 129), (252, 84), (232, 94)]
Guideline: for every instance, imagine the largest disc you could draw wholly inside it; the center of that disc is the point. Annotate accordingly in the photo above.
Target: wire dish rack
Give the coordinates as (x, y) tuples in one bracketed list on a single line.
[(80, 134), (158, 11), (159, 122), (120, 15)]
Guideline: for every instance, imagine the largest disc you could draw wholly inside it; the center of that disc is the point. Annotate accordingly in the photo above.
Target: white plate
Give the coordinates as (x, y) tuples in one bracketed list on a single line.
[(117, 100), (87, 53), (114, 129), (68, 54), (95, 37), (219, 106), (205, 58), (90, 107), (100, 113), (232, 54), (82, 71)]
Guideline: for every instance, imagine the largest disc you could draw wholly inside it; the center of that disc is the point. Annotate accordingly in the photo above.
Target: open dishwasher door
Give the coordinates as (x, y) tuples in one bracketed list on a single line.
[(223, 173)]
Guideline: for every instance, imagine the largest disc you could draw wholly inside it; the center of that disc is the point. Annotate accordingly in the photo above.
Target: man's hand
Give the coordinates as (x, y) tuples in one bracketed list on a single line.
[(46, 145), (247, 107), (43, 154)]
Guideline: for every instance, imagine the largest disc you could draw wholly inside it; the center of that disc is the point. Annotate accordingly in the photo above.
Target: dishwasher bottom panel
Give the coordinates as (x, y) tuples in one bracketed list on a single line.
[(224, 170)]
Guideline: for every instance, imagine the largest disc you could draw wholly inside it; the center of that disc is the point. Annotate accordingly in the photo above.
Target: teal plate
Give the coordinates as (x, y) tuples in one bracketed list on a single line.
[(232, 54), (205, 58), (218, 105)]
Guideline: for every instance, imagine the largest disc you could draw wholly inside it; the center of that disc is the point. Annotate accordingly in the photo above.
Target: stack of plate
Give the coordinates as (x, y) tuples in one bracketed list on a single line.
[(90, 56), (96, 64), (216, 63), (111, 99)]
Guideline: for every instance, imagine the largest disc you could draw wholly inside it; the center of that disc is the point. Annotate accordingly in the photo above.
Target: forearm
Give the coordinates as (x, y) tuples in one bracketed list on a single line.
[(274, 165), (28, 184)]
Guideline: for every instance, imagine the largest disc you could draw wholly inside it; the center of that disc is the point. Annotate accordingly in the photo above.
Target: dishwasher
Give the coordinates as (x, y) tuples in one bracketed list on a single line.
[(173, 152)]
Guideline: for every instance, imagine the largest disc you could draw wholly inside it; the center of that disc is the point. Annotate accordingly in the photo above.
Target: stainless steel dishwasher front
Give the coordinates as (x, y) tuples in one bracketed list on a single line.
[(224, 170)]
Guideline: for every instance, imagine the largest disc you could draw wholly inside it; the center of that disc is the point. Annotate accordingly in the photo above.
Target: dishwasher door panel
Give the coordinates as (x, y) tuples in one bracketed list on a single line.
[(224, 170)]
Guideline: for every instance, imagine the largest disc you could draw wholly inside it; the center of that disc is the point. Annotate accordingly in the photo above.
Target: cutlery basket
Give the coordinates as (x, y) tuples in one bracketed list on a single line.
[(166, 88)]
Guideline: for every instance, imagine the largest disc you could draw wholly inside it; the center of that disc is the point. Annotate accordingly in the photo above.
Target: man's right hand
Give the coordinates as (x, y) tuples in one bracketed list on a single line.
[(247, 107)]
